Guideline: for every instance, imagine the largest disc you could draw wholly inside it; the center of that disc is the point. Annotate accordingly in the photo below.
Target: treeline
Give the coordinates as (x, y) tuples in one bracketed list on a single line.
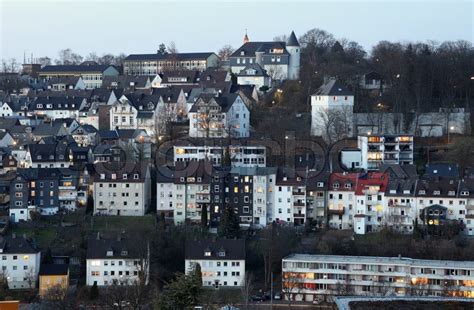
[(422, 76)]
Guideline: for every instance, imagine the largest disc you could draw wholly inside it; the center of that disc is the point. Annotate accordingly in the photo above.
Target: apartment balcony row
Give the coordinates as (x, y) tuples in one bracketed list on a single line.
[(299, 203), (339, 211)]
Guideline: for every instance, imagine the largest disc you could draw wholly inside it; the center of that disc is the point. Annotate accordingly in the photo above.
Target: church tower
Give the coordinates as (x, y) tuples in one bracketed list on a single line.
[(246, 37), (294, 49)]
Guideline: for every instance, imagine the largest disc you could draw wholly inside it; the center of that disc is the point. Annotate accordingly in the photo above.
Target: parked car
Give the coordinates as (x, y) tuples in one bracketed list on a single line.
[(257, 298), (277, 296)]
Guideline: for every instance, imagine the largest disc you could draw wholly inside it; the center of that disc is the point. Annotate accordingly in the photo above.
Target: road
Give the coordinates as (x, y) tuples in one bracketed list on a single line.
[(283, 305)]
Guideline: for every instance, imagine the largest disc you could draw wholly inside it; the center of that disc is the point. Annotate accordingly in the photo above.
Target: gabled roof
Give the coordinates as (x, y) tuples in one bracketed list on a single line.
[(191, 76), (54, 270), (224, 101), (16, 245), (125, 81), (442, 170), (233, 249), (168, 94), (333, 88), (259, 71), (250, 48), (123, 248)]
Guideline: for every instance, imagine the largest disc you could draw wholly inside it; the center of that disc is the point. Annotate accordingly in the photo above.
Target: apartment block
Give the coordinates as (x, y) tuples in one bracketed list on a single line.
[(311, 277), (385, 149)]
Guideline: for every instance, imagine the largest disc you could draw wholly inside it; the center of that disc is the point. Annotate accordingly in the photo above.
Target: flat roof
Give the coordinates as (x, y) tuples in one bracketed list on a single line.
[(380, 260)]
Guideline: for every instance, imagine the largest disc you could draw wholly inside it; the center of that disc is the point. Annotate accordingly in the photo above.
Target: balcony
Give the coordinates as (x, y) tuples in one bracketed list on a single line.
[(470, 207), (299, 215), (299, 203), (299, 193), (470, 216), (336, 211)]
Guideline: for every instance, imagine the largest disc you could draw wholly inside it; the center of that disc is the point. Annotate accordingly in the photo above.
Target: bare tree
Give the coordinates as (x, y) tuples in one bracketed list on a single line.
[(247, 288), (275, 72), (290, 286), (68, 57), (10, 66), (225, 52), (44, 61), (334, 124), (57, 297)]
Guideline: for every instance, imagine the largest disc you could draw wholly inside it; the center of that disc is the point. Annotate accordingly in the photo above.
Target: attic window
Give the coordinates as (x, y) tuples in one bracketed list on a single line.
[(124, 253), (422, 192), (221, 253), (102, 176), (242, 53), (320, 184), (392, 191), (464, 193), (298, 179), (451, 193), (135, 176), (207, 253), (348, 185), (436, 192), (110, 253), (181, 179), (335, 185), (285, 179), (406, 191), (124, 176)]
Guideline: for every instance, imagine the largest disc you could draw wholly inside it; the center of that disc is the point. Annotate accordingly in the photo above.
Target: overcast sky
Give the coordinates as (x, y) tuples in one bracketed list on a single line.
[(114, 26)]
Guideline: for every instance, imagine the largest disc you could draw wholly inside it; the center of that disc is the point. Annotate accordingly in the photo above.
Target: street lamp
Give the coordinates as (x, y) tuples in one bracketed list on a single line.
[(449, 130)]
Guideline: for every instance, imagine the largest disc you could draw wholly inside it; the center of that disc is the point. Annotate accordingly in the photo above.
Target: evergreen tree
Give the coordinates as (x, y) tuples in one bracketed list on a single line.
[(226, 160), (204, 217), (229, 225), (94, 292), (48, 257), (90, 205), (198, 275), (181, 293)]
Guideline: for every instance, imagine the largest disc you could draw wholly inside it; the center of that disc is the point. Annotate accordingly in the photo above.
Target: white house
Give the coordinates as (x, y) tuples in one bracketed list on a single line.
[(121, 191), (254, 74), (222, 261), (332, 111), (20, 262), (218, 117), (118, 260)]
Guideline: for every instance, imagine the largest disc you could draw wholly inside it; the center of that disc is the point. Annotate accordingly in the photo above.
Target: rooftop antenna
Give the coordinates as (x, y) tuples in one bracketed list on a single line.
[(24, 57)]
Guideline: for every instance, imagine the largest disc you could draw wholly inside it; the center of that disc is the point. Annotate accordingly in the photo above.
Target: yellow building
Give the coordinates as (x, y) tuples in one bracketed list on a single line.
[(51, 276)]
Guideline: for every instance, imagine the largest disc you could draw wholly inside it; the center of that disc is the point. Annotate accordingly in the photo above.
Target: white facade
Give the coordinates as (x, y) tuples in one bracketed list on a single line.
[(241, 156), (319, 275), (126, 195), (263, 198), (219, 272), (331, 116), (20, 269), (209, 120), (290, 204)]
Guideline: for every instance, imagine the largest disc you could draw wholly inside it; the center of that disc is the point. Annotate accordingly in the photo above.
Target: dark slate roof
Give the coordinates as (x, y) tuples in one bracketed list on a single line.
[(399, 171), (224, 101), (234, 249), (168, 94), (442, 170), (292, 40), (178, 56), (130, 169), (57, 103), (74, 68), (250, 48), (108, 134), (212, 77), (123, 248), (124, 81), (16, 245), (247, 90), (48, 129), (191, 76), (54, 270), (259, 71), (333, 88)]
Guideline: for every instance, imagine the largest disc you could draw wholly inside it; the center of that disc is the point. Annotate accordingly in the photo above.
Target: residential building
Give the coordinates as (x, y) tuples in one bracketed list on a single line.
[(281, 60), (53, 277), (154, 64), (311, 277), (91, 74), (222, 261), (290, 197), (118, 261), (332, 111), (254, 74), (240, 155), (219, 117), (385, 149), (341, 200), (122, 190), (20, 262)]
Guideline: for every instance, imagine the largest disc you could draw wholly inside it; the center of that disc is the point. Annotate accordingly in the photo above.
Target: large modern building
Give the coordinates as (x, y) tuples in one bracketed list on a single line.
[(385, 149), (239, 155), (280, 60), (91, 74), (153, 64), (311, 277), (222, 261)]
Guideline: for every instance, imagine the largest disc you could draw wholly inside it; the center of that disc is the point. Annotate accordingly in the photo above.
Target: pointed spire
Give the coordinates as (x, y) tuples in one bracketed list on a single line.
[(246, 37), (292, 40)]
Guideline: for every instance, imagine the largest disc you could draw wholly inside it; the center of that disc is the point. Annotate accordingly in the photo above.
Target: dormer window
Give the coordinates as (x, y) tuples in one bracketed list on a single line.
[(124, 253), (124, 176), (436, 193), (298, 179), (320, 184), (335, 185), (221, 253), (207, 253), (451, 193), (242, 53), (110, 253), (114, 176), (135, 176), (464, 193), (422, 192), (181, 179), (102, 176), (348, 185)]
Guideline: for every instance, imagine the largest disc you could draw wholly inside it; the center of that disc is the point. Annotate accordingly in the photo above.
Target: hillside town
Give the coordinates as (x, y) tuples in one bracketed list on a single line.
[(291, 171)]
